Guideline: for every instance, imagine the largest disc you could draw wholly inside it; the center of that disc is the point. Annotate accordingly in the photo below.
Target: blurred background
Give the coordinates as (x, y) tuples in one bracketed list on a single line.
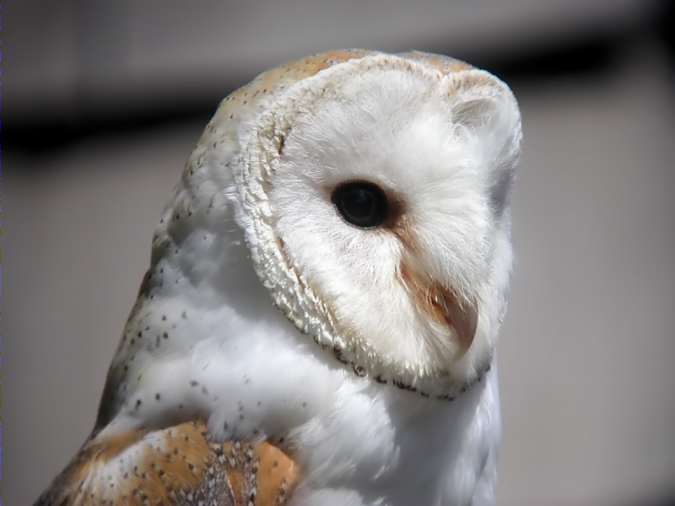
[(103, 102)]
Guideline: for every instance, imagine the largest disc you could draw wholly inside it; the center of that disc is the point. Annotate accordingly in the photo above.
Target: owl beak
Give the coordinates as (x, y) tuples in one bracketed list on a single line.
[(441, 304), (461, 316)]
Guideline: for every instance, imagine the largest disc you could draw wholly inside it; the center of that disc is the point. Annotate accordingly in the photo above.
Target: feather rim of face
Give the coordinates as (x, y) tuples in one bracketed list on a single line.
[(290, 292)]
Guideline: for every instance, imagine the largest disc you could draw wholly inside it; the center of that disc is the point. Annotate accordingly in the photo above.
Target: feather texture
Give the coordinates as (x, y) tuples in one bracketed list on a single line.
[(364, 358), (177, 465)]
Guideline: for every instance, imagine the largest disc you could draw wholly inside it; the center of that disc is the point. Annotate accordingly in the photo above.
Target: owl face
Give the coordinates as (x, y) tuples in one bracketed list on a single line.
[(374, 197)]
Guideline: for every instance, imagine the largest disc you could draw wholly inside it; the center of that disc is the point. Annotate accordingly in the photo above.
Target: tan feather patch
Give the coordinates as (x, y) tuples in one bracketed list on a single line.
[(179, 465), (443, 64)]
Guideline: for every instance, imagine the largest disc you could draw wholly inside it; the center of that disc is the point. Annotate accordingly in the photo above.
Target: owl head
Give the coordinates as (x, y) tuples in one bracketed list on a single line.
[(372, 193)]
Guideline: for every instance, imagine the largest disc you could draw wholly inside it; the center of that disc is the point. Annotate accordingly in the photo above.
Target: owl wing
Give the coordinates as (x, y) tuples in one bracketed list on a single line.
[(178, 465)]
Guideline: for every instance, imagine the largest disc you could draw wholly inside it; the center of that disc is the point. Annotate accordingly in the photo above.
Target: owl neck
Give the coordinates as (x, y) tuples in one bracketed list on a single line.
[(200, 293), (200, 287)]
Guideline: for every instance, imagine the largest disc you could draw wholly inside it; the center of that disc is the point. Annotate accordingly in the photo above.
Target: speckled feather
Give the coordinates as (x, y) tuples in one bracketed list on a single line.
[(177, 465), (348, 418)]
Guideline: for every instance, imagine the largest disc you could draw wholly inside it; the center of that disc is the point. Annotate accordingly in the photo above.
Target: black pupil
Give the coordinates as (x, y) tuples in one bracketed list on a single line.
[(361, 203)]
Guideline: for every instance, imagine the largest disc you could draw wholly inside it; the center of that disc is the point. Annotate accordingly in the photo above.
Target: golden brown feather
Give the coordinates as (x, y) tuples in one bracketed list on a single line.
[(179, 465)]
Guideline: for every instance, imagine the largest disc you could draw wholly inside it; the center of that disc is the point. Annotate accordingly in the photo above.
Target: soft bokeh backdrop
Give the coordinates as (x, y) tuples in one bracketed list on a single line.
[(104, 100)]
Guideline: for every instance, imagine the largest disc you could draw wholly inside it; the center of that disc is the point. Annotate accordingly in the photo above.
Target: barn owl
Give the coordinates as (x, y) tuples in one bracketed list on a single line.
[(318, 322)]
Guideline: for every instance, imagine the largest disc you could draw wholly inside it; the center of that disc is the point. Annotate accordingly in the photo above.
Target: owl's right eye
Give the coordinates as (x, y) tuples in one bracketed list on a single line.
[(361, 203)]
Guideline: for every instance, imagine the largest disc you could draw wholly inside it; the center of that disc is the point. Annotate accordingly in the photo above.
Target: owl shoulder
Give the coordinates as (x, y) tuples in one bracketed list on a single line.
[(177, 465)]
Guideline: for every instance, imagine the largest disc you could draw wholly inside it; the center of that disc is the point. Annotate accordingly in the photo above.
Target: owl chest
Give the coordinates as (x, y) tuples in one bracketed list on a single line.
[(356, 441), (390, 448)]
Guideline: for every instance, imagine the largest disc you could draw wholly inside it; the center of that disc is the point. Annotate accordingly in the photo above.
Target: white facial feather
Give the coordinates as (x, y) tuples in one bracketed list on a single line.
[(440, 147)]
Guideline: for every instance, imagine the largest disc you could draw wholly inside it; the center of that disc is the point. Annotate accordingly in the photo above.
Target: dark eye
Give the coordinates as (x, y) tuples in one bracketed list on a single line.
[(361, 203)]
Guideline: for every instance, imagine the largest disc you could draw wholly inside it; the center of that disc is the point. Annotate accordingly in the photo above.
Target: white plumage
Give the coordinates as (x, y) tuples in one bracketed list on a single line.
[(375, 376)]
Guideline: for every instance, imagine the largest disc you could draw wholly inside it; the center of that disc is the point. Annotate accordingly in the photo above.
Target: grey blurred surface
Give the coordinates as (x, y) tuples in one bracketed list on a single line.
[(67, 55), (586, 353)]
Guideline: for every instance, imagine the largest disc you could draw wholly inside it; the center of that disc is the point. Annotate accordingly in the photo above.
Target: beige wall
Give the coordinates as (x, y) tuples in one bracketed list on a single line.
[(586, 352)]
